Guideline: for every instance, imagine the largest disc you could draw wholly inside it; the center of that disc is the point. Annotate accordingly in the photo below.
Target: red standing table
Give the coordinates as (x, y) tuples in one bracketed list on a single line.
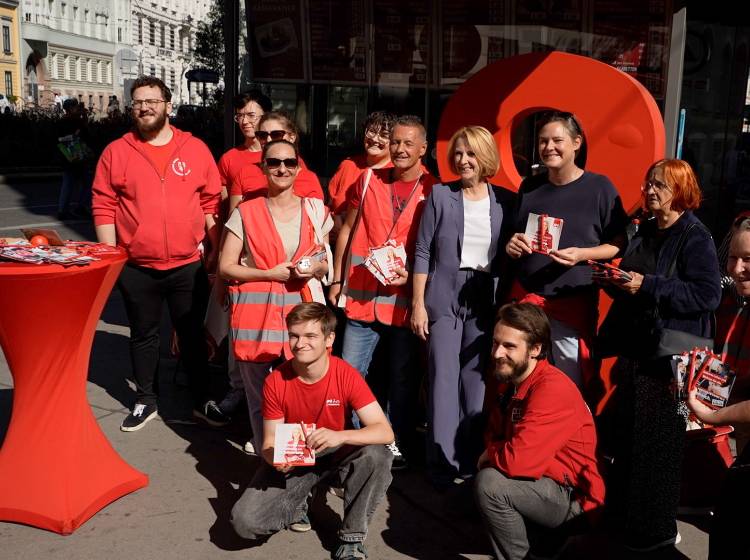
[(57, 468)]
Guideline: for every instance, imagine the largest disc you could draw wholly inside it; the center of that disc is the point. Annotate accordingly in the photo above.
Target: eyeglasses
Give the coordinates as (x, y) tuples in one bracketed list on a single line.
[(381, 133), (275, 163), (658, 186), (138, 103), (252, 117), (274, 134)]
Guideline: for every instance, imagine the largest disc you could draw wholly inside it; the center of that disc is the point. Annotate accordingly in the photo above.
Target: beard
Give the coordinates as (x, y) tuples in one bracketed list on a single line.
[(516, 369), (156, 125)]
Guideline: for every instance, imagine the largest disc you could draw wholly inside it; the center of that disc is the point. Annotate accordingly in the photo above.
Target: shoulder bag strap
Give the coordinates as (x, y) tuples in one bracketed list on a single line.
[(348, 253)]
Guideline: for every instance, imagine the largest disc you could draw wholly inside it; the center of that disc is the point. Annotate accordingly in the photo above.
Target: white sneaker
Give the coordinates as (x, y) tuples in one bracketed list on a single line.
[(249, 448), (399, 463)]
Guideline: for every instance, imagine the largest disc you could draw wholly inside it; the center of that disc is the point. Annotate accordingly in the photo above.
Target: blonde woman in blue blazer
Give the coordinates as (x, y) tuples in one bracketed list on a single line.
[(457, 268)]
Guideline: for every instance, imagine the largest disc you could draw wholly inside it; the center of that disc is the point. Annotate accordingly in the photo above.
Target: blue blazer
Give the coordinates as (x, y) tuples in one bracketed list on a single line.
[(440, 240)]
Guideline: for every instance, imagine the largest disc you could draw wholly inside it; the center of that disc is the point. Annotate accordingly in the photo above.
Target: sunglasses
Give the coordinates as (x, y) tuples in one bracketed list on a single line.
[(275, 163), (274, 134)]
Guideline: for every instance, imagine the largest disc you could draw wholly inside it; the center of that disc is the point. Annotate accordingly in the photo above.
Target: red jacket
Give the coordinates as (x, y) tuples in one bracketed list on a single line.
[(160, 221), (546, 429)]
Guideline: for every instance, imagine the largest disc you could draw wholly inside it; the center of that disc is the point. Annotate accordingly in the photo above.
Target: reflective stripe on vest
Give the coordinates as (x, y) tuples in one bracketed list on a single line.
[(367, 299), (259, 309)]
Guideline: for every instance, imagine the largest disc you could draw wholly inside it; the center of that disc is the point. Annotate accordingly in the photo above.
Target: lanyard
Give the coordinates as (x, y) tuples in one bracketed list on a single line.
[(397, 215)]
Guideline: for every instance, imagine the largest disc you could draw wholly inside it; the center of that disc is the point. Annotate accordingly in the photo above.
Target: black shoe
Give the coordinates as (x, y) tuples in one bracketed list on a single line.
[(212, 415), (399, 463), (350, 551), (141, 414)]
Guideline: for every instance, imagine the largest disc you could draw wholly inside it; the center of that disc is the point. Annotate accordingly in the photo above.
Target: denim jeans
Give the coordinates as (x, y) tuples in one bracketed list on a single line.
[(273, 500), (507, 504), (360, 340)]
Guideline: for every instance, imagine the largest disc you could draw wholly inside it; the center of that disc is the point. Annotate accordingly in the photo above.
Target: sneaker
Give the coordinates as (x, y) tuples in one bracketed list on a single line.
[(141, 414), (302, 525), (350, 551), (249, 448), (399, 463), (650, 546), (212, 415)]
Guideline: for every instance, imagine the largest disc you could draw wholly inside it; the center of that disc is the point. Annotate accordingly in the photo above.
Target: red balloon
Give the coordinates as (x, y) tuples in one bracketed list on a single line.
[(39, 240)]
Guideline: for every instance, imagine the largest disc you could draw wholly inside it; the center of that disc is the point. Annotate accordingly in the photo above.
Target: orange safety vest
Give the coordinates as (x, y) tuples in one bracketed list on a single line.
[(259, 308), (367, 299)]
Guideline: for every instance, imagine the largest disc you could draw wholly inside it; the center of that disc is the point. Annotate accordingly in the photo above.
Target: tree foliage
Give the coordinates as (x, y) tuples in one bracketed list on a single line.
[(209, 39)]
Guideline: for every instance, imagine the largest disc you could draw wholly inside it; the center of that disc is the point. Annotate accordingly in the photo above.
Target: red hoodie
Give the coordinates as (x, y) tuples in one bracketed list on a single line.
[(160, 221), (546, 429)]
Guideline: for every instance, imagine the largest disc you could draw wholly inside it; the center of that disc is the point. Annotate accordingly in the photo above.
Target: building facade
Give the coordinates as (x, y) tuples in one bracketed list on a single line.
[(10, 55), (162, 39), (67, 50)]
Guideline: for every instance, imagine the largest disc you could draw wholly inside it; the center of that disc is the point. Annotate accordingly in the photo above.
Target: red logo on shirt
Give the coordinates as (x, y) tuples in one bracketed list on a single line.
[(180, 167)]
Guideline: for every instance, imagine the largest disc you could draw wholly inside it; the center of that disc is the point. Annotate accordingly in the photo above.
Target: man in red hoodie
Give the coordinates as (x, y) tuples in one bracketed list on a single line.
[(540, 462), (156, 194)]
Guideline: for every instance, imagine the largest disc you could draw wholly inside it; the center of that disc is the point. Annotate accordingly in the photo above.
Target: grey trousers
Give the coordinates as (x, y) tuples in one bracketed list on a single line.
[(273, 500), (507, 504)]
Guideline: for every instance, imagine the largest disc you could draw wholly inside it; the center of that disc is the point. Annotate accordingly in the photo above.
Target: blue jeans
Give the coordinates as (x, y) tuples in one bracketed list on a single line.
[(360, 340)]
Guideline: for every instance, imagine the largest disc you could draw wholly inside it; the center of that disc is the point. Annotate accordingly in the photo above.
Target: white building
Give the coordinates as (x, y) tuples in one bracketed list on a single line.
[(92, 49), (162, 35), (67, 49)]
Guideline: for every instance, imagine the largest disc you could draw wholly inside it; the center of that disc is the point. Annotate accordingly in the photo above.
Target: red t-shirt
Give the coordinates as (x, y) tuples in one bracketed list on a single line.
[(251, 182), (328, 402), (344, 181), (160, 154), (400, 190), (234, 161)]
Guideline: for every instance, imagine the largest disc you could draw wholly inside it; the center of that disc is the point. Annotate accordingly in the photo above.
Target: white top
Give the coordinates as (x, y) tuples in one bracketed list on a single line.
[(479, 247), (288, 231)]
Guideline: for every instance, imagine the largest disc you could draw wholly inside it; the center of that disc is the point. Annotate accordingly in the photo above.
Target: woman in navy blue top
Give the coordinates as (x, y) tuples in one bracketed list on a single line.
[(457, 265)]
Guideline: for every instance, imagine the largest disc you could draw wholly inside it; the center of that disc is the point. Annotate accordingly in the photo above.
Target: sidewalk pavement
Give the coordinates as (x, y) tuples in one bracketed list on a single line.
[(197, 473)]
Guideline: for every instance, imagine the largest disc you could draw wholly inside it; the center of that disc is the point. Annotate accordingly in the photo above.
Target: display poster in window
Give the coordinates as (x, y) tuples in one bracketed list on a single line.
[(276, 40), (338, 45), (402, 39)]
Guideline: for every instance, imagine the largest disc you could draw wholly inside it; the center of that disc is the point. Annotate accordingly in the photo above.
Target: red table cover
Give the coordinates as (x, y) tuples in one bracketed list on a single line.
[(57, 468)]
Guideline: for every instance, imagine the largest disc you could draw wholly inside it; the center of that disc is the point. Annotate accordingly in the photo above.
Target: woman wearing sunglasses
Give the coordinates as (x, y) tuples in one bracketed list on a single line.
[(274, 271), (251, 182)]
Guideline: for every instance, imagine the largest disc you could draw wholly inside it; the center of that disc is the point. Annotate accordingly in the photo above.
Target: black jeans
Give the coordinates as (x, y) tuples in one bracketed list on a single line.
[(185, 290), (727, 539)]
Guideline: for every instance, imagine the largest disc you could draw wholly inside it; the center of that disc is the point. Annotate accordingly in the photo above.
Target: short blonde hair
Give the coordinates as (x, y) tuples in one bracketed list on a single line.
[(481, 142)]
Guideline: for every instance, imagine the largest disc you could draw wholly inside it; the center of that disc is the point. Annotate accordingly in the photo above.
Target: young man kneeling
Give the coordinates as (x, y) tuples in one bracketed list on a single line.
[(315, 388), (539, 468)]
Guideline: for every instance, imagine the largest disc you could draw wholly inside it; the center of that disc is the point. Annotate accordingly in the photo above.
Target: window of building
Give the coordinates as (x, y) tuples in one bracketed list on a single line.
[(6, 39), (8, 83), (171, 38), (163, 37), (152, 34), (153, 70), (171, 79), (164, 75), (85, 70), (28, 17), (101, 102), (119, 34), (109, 72), (140, 31), (91, 101)]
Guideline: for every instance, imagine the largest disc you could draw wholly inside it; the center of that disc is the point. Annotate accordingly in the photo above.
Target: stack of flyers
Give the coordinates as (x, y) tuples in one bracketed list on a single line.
[(703, 370), (544, 232), (383, 261), (65, 256), (21, 254), (608, 272), (290, 445)]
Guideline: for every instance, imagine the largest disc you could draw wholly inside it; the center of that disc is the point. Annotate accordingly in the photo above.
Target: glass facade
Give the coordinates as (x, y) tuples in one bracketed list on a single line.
[(330, 62)]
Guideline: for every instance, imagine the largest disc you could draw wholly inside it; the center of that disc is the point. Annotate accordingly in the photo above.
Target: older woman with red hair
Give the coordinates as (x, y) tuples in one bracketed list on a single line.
[(675, 285)]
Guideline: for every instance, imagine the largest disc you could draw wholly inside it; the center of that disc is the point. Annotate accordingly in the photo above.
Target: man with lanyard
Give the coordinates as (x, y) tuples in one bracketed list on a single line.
[(385, 205), (539, 468), (156, 194), (315, 388)]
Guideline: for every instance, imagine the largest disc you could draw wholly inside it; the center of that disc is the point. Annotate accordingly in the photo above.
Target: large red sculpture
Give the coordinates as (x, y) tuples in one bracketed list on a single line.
[(623, 126)]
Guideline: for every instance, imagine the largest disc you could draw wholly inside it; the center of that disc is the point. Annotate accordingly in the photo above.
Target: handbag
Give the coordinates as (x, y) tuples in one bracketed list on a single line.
[(669, 342)]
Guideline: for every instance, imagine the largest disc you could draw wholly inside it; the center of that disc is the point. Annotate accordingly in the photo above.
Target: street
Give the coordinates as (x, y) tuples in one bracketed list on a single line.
[(196, 473)]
